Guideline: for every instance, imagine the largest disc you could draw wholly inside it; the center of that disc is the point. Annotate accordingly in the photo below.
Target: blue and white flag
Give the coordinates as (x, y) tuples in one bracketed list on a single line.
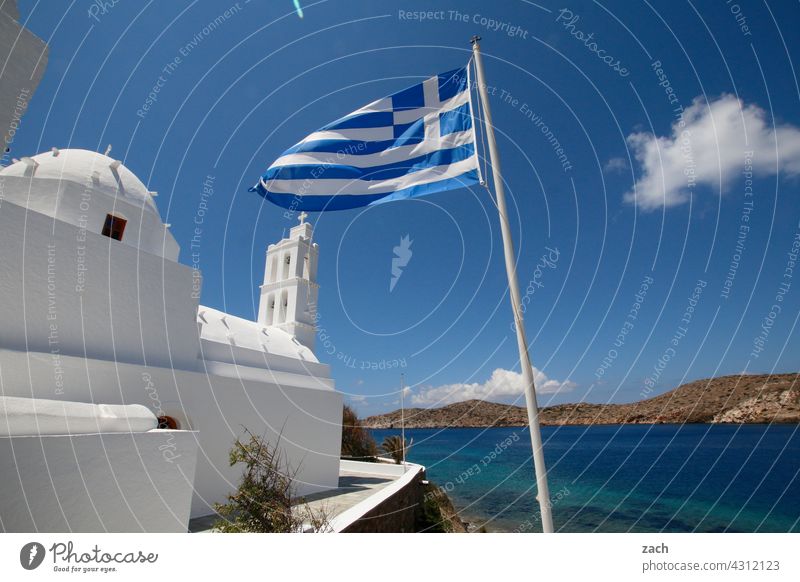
[(415, 142)]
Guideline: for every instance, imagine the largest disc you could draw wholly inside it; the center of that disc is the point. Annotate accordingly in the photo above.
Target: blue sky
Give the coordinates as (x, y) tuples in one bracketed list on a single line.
[(638, 213)]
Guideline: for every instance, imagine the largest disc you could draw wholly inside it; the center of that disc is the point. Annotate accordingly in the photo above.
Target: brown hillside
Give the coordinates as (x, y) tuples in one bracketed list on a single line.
[(728, 399)]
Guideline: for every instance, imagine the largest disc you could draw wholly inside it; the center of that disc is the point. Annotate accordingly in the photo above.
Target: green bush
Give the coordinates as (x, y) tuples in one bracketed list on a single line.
[(393, 446), (263, 501), (357, 442)]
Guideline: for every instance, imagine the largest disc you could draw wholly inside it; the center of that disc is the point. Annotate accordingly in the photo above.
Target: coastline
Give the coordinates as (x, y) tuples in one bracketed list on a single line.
[(663, 477), (732, 400), (583, 425)]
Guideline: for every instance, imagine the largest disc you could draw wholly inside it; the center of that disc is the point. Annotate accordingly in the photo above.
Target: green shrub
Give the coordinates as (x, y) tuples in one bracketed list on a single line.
[(357, 442), (263, 503), (437, 513), (394, 447)]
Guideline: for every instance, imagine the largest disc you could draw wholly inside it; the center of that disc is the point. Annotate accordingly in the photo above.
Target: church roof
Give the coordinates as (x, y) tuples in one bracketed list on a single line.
[(91, 169), (223, 328)]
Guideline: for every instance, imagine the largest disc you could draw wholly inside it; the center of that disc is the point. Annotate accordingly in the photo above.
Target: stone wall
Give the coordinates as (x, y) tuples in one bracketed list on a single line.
[(398, 514)]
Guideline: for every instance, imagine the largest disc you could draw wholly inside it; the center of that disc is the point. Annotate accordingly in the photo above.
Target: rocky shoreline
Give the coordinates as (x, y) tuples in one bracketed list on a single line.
[(750, 399)]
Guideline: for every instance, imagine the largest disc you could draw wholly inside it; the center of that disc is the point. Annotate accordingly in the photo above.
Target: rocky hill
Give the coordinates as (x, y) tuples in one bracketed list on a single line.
[(728, 399)]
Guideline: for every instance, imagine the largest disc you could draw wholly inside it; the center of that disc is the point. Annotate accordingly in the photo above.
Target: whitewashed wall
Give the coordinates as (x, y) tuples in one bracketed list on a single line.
[(307, 421), (114, 482), (83, 293)]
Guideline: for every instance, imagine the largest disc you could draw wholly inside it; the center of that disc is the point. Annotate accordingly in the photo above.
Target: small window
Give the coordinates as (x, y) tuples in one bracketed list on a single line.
[(114, 226), (167, 422)]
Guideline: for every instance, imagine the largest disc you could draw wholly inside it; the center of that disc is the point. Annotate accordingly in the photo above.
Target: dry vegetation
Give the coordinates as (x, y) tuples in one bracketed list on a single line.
[(728, 399)]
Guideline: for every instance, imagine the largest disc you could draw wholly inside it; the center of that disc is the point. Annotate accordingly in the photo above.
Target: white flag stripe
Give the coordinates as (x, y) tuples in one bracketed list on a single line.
[(344, 165), (358, 134), (323, 187), (380, 106), (390, 156), (411, 115), (385, 133)]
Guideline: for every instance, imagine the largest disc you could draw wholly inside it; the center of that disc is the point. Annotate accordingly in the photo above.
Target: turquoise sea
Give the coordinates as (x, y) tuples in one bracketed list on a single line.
[(643, 478)]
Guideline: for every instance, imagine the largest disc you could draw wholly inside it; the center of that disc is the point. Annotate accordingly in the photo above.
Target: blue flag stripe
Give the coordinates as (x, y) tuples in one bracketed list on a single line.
[(348, 156), (418, 141), (383, 172), (347, 201), (455, 120), (362, 120), (451, 83)]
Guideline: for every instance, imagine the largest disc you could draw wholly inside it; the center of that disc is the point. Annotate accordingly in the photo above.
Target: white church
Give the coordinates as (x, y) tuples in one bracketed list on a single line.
[(123, 395)]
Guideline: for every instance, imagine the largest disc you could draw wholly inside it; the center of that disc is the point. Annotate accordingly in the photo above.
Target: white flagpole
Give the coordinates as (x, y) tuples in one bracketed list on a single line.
[(403, 414), (524, 357)]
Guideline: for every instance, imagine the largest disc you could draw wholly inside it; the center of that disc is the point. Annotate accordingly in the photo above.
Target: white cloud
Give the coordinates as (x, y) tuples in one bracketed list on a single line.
[(357, 398), (708, 147), (501, 383), (615, 165)]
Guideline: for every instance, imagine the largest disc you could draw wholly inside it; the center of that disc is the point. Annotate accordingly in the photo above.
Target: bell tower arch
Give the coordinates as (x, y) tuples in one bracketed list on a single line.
[(289, 293)]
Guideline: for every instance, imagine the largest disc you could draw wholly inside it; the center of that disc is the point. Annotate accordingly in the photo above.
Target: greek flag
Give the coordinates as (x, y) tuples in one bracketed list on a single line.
[(415, 142)]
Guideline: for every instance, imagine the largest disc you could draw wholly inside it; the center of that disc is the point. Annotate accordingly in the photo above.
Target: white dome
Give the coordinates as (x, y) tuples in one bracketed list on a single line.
[(91, 169)]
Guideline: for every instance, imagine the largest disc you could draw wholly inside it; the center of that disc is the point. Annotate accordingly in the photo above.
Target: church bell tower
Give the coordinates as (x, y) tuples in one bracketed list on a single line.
[(289, 293)]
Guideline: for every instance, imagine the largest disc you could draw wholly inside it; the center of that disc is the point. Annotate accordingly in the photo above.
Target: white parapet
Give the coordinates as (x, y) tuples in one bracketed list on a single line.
[(39, 416)]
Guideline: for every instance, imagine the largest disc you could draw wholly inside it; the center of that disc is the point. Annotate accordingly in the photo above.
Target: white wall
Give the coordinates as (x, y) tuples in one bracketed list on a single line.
[(306, 421), (115, 482), (79, 204), (83, 291)]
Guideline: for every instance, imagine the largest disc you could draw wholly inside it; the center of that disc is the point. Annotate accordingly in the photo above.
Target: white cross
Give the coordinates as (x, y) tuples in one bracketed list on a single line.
[(430, 90), (431, 108), (302, 217)]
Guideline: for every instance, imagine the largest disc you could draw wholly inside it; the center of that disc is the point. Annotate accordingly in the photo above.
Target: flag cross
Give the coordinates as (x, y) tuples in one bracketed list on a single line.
[(430, 106), (430, 89)]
